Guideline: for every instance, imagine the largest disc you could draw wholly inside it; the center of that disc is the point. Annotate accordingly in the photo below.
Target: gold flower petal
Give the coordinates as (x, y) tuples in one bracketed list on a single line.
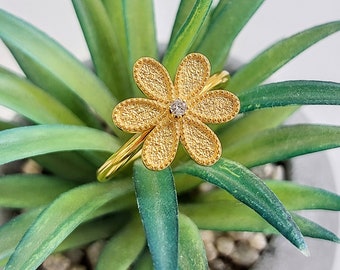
[(200, 141), (216, 106), (192, 74), (153, 79), (137, 114), (161, 144)]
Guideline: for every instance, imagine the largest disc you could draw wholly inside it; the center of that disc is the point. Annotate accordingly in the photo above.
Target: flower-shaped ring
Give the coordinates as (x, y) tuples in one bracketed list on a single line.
[(175, 112)]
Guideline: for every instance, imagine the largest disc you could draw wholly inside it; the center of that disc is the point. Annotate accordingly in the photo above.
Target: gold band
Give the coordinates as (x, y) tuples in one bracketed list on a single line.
[(128, 152), (216, 79)]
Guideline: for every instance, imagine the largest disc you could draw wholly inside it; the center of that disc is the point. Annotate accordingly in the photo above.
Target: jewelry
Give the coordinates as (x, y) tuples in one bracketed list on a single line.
[(175, 112)]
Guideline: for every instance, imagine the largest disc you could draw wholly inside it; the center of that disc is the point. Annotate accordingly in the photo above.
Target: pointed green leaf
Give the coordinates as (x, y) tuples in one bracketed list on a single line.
[(25, 98), (115, 12), (251, 190), (140, 34), (282, 143), (59, 219), (30, 190), (185, 37), (49, 65), (68, 165), (157, 204), (124, 247), (6, 125), (294, 196), (139, 18), (266, 63), (276, 94), (300, 197), (183, 12), (314, 230), (91, 231), (144, 262), (290, 93), (104, 47), (233, 216), (251, 123), (192, 254), (23, 142), (56, 88), (12, 231), (227, 21)]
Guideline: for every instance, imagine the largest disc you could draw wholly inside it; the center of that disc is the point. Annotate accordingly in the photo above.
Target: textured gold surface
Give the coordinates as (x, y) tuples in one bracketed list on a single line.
[(217, 106), (192, 85), (161, 144), (153, 79), (137, 114), (200, 141), (192, 74)]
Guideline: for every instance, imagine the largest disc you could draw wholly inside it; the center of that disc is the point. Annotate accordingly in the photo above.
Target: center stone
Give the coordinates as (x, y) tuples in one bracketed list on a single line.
[(178, 107)]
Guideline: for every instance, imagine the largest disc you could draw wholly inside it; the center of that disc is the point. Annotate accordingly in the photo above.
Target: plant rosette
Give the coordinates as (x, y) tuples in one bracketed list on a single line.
[(148, 209)]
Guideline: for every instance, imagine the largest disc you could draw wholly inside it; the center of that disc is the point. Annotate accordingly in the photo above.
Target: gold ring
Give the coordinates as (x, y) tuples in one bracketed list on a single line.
[(172, 113)]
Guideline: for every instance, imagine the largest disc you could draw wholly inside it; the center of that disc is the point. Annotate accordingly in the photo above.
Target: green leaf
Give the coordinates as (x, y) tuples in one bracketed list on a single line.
[(233, 216), (52, 68), (139, 18), (260, 69), (124, 247), (12, 231), (282, 143), (185, 37), (251, 123), (271, 95), (191, 248), (114, 10), (59, 219), (314, 230), (144, 262), (29, 190), (183, 12), (127, 201), (25, 98), (157, 204), (91, 231), (251, 190), (105, 50), (266, 63), (228, 19), (6, 125), (300, 197), (23, 142), (68, 165), (140, 33), (294, 196), (290, 93)]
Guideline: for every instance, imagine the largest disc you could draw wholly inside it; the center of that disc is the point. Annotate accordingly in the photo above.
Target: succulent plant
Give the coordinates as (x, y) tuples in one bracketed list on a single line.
[(69, 133)]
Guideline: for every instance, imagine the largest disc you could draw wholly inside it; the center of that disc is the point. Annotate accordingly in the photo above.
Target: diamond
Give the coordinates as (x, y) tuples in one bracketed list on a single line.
[(178, 107)]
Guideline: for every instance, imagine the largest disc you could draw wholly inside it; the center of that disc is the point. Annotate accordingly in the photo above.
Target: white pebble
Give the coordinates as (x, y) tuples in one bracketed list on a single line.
[(244, 254), (56, 262), (207, 236), (258, 241), (240, 236), (211, 251), (225, 245)]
